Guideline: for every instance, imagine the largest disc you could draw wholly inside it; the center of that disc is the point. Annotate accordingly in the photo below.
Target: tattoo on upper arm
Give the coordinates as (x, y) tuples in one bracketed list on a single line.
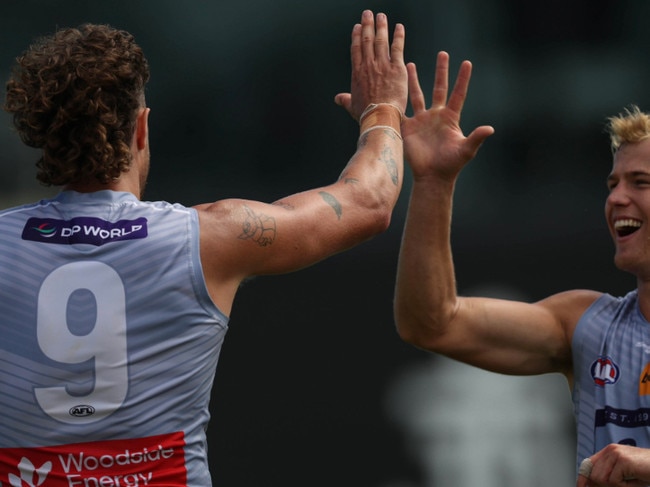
[(389, 161), (258, 228), (333, 202), (350, 180)]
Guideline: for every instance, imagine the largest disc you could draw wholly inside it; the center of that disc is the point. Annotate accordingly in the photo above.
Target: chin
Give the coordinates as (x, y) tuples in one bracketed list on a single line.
[(627, 264)]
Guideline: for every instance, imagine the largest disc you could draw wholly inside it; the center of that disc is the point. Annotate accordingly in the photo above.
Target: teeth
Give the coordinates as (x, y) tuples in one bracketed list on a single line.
[(626, 223)]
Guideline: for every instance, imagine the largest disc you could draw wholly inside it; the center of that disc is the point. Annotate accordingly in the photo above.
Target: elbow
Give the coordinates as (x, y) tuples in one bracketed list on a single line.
[(376, 224), (423, 322), (406, 334), (371, 221), (382, 219), (370, 208), (381, 212), (418, 332)]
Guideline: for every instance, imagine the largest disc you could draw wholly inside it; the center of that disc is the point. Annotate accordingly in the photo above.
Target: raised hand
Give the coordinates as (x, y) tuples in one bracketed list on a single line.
[(434, 143), (378, 70)]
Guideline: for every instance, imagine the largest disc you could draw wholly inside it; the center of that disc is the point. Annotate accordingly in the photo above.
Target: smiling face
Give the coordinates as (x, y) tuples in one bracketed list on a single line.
[(627, 208)]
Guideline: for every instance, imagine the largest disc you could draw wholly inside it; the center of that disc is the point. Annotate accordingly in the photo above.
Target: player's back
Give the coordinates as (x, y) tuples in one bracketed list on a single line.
[(108, 342)]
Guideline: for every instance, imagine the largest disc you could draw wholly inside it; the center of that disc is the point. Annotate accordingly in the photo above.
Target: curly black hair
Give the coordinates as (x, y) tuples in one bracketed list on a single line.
[(75, 95)]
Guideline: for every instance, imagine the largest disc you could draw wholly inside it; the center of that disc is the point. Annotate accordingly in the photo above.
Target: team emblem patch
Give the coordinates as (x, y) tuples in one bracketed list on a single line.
[(604, 371)]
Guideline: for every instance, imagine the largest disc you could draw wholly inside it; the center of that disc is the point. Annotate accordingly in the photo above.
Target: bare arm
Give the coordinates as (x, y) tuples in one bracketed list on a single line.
[(242, 238), (504, 336)]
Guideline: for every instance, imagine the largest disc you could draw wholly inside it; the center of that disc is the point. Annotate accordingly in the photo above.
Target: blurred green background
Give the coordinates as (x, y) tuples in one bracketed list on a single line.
[(242, 106)]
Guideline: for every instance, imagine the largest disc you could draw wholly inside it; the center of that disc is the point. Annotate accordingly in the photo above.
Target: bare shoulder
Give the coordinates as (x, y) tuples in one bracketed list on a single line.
[(569, 306), (226, 218), (218, 209), (224, 227), (223, 252), (576, 299)]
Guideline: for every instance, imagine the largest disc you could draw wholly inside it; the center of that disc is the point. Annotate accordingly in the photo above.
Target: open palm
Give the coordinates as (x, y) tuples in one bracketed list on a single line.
[(434, 143)]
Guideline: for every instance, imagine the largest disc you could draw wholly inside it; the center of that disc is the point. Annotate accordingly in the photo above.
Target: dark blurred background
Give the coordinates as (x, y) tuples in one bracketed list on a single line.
[(310, 390)]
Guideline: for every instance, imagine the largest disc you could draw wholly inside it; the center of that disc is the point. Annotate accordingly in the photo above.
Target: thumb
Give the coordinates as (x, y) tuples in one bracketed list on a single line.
[(344, 100), (474, 140)]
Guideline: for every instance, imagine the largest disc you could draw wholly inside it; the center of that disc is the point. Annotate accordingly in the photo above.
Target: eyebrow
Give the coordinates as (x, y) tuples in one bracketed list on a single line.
[(632, 174)]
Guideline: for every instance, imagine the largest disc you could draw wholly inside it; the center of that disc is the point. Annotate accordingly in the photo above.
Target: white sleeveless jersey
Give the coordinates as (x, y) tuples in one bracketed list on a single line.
[(611, 361), (109, 343)]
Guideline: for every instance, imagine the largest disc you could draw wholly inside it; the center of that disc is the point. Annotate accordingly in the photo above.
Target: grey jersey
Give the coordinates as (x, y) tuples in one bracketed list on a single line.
[(611, 360), (109, 343)]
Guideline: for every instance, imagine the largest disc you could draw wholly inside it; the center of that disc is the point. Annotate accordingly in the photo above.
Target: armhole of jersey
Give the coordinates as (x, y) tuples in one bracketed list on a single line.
[(196, 269), (578, 343), (578, 334)]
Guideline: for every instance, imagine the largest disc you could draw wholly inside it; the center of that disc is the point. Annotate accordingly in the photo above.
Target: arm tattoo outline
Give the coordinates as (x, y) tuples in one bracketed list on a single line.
[(389, 161), (258, 228)]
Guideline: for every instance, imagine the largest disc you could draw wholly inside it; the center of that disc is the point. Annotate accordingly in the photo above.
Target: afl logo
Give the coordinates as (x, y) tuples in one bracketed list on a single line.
[(604, 371), (82, 411)]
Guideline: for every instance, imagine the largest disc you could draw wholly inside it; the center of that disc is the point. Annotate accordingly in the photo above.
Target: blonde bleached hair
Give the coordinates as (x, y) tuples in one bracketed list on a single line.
[(631, 126)]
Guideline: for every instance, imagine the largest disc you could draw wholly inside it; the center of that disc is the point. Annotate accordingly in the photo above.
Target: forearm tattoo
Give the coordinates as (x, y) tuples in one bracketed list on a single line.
[(333, 202), (386, 156), (390, 163), (258, 228)]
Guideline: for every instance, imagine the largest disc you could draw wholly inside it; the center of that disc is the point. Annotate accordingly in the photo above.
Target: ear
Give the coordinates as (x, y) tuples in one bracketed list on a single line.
[(142, 129)]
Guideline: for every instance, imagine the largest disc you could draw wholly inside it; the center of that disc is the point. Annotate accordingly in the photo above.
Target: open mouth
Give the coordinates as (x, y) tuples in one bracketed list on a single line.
[(626, 227)]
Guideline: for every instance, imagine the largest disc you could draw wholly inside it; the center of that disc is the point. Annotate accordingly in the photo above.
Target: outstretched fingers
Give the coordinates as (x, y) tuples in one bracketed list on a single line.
[(397, 47), (370, 39), (441, 83), (418, 103), (459, 93), (355, 46), (368, 34), (441, 86), (433, 139), (381, 37)]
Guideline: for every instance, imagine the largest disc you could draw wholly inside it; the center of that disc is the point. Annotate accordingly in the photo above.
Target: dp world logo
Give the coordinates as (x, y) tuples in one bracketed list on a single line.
[(45, 230), (604, 371)]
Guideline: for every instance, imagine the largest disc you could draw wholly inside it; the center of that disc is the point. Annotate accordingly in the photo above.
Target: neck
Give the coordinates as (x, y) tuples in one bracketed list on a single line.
[(134, 179), (124, 183), (643, 291)]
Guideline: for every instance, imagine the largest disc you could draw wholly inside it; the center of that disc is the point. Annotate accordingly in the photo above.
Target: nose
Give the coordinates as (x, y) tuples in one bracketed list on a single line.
[(618, 196)]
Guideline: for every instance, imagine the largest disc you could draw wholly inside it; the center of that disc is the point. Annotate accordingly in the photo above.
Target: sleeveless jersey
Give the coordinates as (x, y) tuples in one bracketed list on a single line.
[(611, 360), (109, 343)]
